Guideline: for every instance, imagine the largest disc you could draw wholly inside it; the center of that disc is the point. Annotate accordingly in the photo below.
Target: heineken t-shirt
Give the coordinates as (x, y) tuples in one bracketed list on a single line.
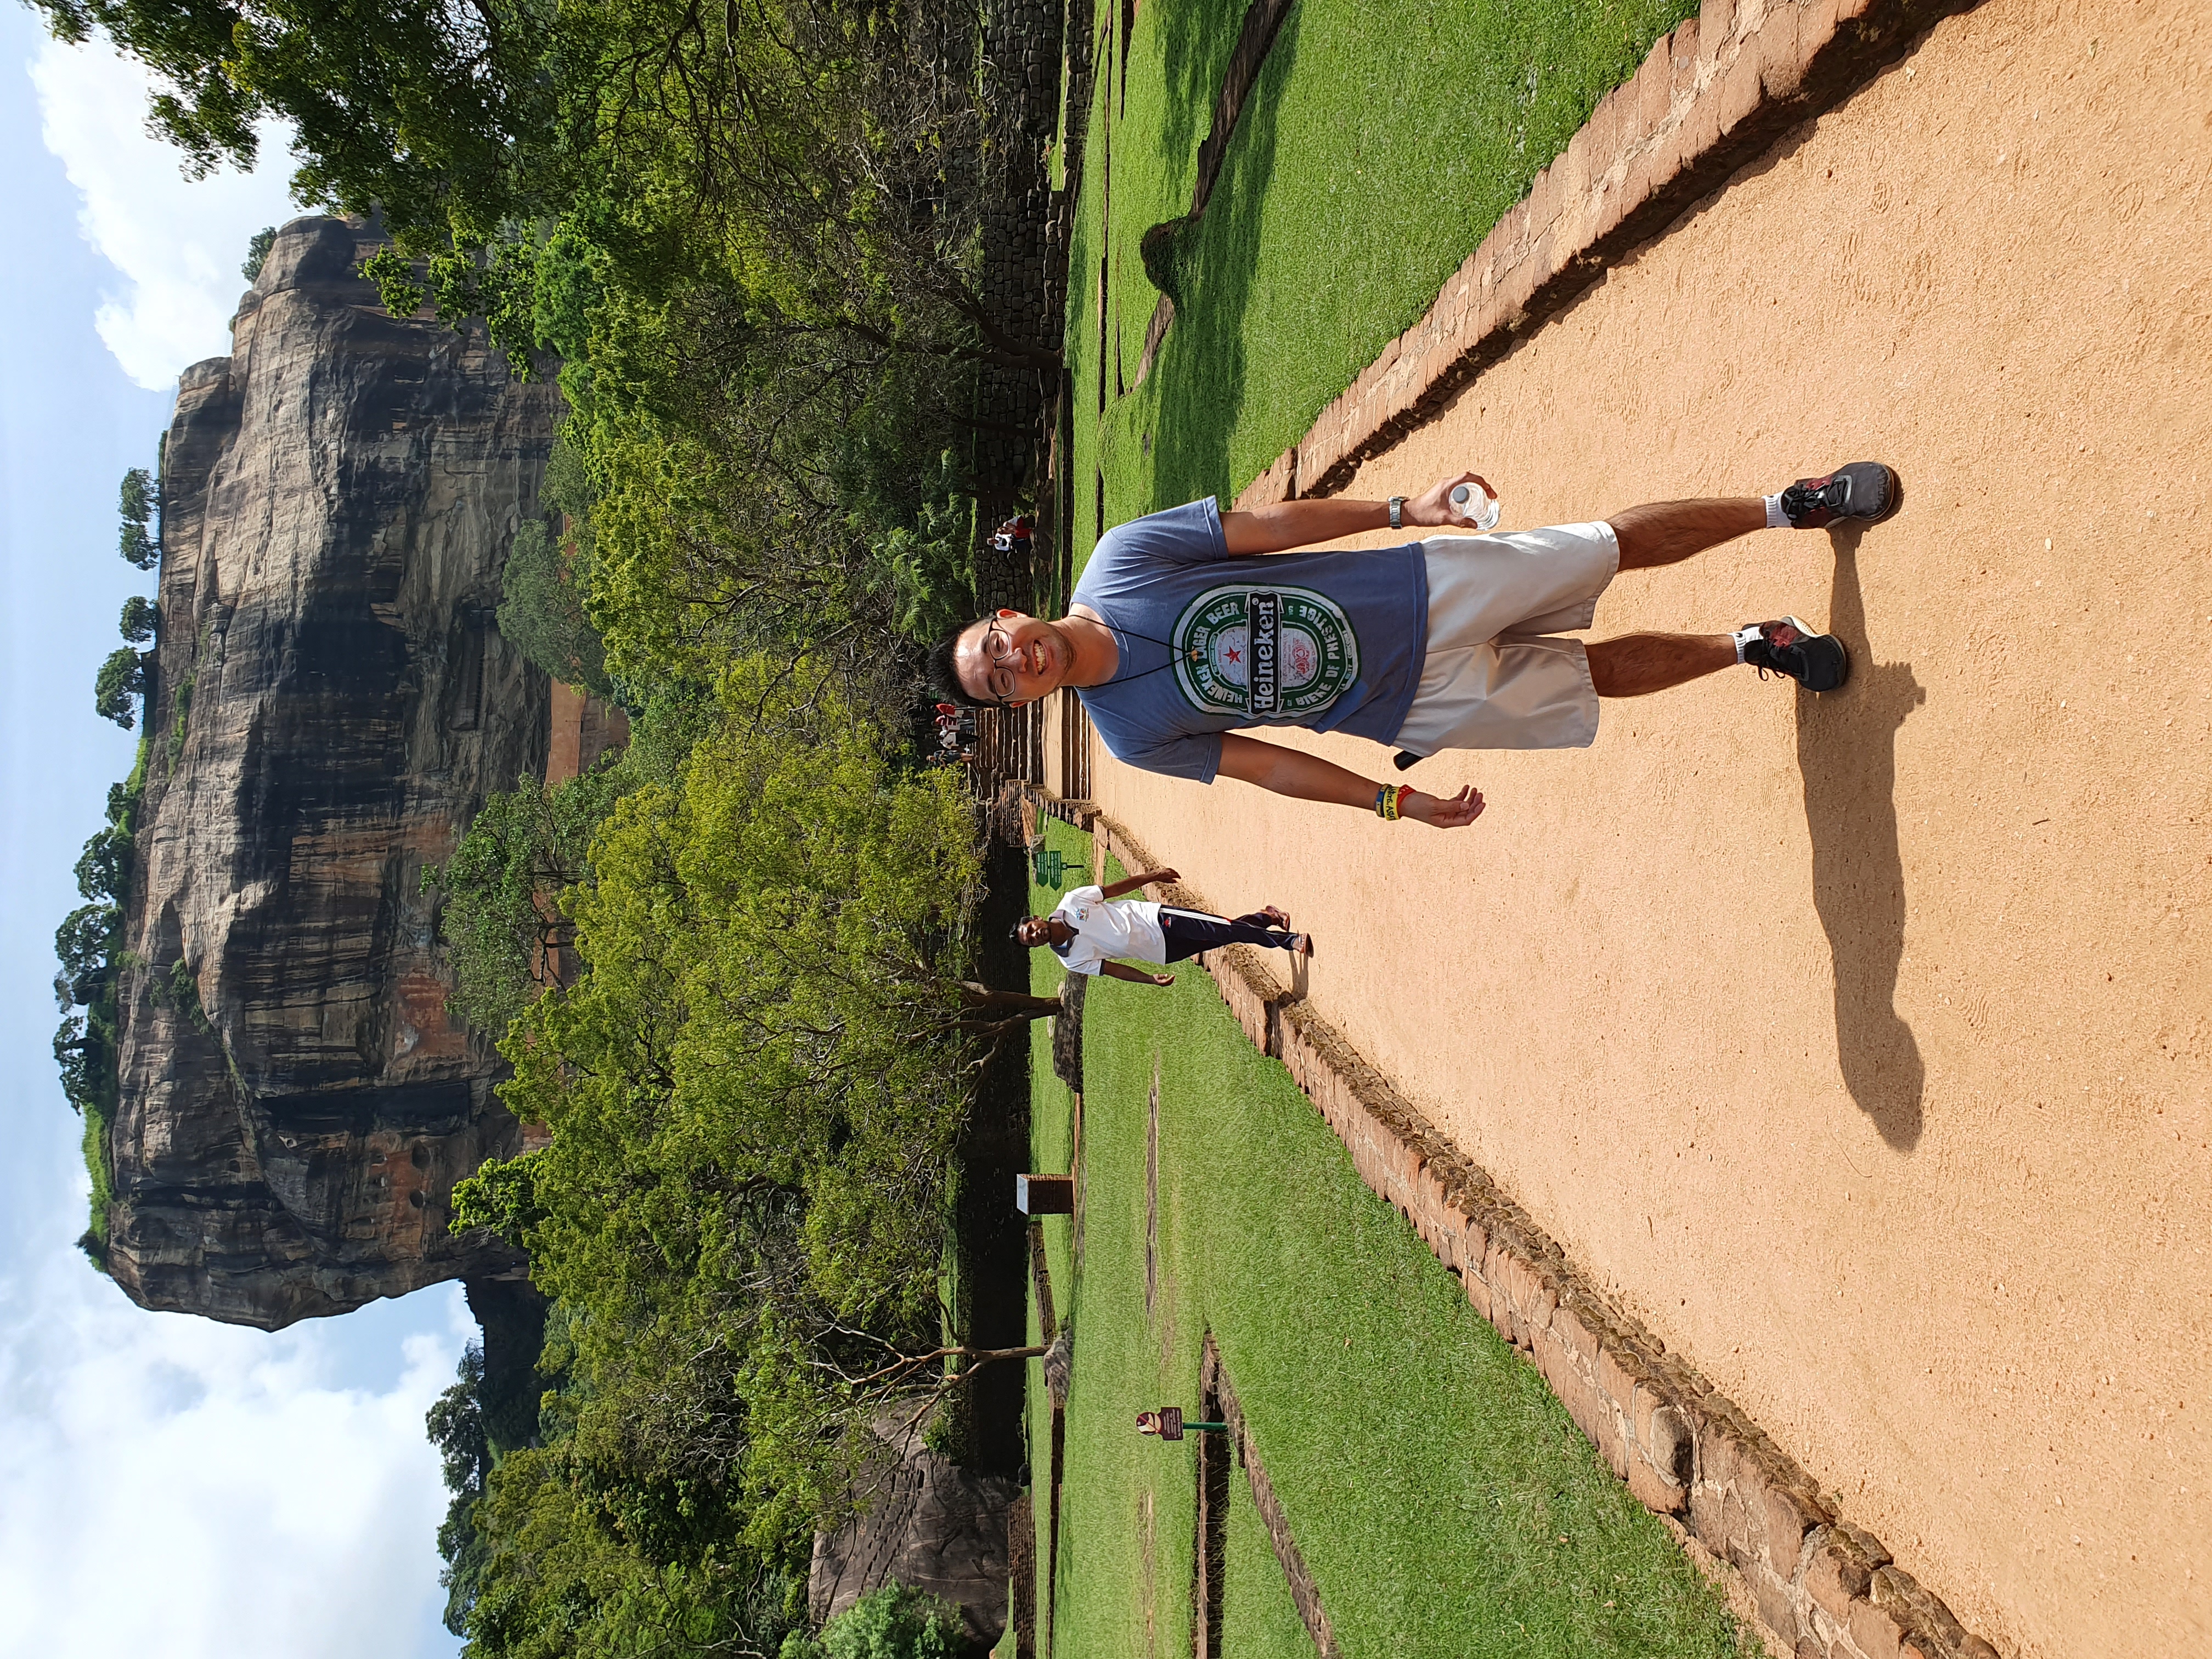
[(1211, 644)]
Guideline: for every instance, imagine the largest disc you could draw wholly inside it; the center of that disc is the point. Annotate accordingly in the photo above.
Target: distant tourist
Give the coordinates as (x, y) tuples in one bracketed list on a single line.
[(1092, 925), (1014, 535)]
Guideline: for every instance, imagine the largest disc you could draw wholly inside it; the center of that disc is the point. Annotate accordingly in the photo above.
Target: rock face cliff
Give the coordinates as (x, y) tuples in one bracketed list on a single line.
[(330, 704)]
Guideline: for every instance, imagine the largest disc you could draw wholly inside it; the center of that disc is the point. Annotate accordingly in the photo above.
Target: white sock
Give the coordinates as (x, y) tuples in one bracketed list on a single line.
[(1744, 636), (1776, 517)]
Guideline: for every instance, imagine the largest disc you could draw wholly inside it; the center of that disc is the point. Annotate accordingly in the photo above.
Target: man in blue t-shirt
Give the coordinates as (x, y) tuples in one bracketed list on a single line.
[(1177, 640)]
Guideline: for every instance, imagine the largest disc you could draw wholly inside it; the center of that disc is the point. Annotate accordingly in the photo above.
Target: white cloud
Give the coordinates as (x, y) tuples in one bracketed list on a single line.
[(194, 1490), (176, 242)]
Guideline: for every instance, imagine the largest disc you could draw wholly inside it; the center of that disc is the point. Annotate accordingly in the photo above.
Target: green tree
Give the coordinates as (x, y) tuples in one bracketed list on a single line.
[(140, 618), (892, 1622), (932, 564), (430, 109), (103, 869), (77, 1054), (753, 1091), (456, 1427), (501, 916), (137, 495), (576, 1566), (85, 945), (121, 680), (139, 500), (541, 610), (257, 252)]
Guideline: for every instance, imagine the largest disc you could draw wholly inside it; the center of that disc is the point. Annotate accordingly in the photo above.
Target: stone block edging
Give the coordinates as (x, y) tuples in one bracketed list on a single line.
[(1711, 96), (1823, 1588)]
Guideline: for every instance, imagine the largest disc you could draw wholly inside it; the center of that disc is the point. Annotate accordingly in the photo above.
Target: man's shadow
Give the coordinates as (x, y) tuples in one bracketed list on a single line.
[(1847, 751)]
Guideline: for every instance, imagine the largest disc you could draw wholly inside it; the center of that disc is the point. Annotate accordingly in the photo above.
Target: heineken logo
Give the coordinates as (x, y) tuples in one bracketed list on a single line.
[(1272, 653)]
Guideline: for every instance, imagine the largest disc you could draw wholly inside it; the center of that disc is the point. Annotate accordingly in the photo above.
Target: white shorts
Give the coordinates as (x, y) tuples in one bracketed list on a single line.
[(1490, 679)]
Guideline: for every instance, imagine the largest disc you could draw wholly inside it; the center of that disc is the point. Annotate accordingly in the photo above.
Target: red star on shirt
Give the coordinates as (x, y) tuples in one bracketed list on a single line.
[(1234, 656)]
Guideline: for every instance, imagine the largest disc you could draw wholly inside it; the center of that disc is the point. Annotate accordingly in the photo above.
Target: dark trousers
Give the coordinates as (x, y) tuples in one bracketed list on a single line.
[(1189, 931)]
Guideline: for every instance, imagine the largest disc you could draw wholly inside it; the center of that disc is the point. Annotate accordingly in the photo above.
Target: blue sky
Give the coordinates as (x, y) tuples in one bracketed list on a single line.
[(172, 1485)]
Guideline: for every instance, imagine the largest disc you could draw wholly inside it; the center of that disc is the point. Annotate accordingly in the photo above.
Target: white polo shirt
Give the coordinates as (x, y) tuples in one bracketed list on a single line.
[(1107, 928)]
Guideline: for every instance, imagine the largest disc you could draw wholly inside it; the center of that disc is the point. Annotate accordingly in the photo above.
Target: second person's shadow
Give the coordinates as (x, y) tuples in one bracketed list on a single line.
[(1847, 751)]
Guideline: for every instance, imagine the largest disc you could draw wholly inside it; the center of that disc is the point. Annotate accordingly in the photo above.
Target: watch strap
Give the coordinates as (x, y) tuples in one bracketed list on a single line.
[(1397, 512)]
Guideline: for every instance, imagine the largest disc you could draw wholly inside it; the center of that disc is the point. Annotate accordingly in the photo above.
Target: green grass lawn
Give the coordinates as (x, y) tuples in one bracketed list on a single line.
[(1382, 142), (1443, 1499)]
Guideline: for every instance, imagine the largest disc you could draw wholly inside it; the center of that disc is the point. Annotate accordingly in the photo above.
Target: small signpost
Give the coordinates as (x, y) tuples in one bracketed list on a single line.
[(1045, 1195), (1170, 1423), (1051, 866)]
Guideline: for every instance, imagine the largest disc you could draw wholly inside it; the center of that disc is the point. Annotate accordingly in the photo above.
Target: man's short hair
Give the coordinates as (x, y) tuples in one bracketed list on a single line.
[(945, 676)]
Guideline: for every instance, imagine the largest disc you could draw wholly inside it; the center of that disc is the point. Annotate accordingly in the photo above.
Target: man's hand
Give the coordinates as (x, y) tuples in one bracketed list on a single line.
[(1309, 777), (1433, 505), (1134, 975), (1443, 811), (1142, 878)]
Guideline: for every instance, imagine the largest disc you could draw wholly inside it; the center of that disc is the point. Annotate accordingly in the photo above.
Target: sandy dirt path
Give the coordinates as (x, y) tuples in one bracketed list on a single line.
[(1862, 1046)]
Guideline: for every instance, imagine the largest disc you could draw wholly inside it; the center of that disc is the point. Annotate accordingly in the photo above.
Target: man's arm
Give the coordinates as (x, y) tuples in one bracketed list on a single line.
[(1308, 777), (1134, 975), (1134, 882), (1325, 517)]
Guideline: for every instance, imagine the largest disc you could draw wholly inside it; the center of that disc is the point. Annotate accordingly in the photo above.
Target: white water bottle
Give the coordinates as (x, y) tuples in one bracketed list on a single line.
[(1478, 504)]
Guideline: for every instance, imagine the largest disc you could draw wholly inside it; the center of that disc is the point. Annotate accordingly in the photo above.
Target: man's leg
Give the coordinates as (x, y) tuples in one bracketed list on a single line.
[(1189, 931), (1636, 664), (1667, 532)]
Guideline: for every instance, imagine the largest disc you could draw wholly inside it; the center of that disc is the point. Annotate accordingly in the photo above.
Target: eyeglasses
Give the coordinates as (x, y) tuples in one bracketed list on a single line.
[(998, 651)]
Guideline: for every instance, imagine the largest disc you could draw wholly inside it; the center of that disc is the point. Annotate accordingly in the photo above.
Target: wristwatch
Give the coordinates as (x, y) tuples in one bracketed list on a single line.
[(1397, 512)]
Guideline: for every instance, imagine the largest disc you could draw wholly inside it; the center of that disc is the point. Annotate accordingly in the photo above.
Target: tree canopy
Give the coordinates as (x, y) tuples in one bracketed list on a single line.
[(257, 252), (541, 610), (139, 501), (753, 1085), (117, 687)]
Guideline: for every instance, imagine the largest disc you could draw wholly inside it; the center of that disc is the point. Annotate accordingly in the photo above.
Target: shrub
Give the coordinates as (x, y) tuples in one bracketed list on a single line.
[(541, 611), (890, 1623)]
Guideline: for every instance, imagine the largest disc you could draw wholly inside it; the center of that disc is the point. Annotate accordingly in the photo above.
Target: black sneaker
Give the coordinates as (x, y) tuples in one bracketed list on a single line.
[(1865, 490), (1816, 661)]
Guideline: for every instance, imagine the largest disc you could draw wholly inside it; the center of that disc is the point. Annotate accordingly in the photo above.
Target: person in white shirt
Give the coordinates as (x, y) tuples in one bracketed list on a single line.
[(1092, 925)]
